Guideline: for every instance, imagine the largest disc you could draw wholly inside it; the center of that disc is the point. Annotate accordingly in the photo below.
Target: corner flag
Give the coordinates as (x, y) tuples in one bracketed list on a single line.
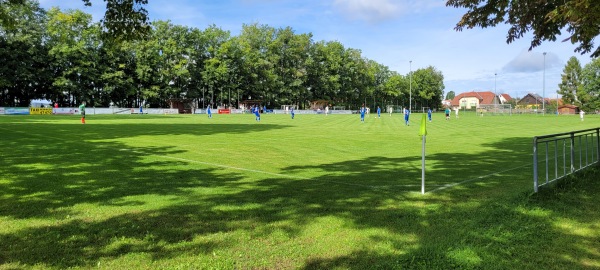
[(423, 132), (423, 129)]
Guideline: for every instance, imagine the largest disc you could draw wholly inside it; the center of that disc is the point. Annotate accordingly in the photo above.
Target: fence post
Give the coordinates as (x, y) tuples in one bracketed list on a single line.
[(580, 152), (587, 163), (572, 152), (535, 165), (555, 159), (598, 145), (564, 153), (547, 162), (547, 166)]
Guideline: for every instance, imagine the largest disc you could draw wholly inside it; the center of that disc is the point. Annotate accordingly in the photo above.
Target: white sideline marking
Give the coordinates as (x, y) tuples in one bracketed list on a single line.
[(475, 178), (388, 187), (268, 173), (330, 181), (255, 171)]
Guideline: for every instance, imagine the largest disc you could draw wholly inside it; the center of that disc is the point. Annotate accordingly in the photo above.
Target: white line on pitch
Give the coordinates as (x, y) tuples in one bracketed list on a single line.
[(256, 171), (442, 187), (475, 178)]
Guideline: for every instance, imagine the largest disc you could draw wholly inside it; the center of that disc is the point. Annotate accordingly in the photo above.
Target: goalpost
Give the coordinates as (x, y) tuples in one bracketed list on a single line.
[(494, 109), (424, 109), (287, 108), (394, 109)]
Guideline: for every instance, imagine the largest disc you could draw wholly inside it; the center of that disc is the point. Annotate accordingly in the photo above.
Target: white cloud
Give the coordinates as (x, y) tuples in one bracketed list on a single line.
[(368, 10), (529, 62), (381, 10)]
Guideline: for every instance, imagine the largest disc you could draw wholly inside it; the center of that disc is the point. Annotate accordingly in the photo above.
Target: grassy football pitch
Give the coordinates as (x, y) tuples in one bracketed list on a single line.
[(314, 192)]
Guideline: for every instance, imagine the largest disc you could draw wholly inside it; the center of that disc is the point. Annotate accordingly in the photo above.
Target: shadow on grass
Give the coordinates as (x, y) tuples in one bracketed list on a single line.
[(473, 225), (56, 168)]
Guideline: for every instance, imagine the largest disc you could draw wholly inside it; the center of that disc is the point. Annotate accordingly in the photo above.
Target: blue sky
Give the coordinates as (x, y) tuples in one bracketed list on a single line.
[(391, 32)]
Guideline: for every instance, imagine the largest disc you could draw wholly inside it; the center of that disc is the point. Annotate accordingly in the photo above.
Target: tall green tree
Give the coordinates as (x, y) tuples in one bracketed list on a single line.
[(73, 44), (217, 65), (546, 19), (450, 95), (119, 83), (124, 20), (325, 68), (148, 71), (232, 58), (8, 19), (25, 72), (356, 81), (589, 93), (174, 61), (257, 67), (318, 80), (380, 74), (570, 81), (428, 87), (396, 89), (289, 53)]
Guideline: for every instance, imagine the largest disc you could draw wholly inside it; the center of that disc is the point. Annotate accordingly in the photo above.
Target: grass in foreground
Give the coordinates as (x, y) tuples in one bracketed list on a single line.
[(315, 192)]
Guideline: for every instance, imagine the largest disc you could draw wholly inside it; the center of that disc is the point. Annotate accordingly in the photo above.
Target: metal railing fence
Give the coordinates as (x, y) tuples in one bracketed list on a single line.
[(563, 154)]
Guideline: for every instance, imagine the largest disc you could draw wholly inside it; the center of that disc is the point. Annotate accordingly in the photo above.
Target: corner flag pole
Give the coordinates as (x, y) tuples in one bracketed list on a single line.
[(423, 132)]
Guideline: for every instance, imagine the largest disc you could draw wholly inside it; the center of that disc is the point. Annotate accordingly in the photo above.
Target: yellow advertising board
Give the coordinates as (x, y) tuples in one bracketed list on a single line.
[(40, 110)]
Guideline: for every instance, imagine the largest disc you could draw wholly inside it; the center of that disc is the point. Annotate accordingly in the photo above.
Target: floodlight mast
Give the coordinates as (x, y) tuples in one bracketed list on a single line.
[(410, 87), (495, 93), (544, 88)]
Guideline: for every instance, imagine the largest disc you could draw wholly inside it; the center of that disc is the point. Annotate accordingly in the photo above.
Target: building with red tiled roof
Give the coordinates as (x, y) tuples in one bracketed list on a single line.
[(504, 98), (472, 100)]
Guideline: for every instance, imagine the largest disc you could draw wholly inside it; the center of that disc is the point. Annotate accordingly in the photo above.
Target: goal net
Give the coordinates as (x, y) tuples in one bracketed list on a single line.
[(424, 109), (287, 108), (494, 109), (394, 109)]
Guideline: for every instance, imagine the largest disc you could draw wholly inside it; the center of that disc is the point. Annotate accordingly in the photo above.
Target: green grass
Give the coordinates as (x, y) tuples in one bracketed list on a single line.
[(316, 192)]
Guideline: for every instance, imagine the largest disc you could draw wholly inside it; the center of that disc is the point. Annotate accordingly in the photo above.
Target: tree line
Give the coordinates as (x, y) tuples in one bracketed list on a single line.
[(63, 56), (580, 86)]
